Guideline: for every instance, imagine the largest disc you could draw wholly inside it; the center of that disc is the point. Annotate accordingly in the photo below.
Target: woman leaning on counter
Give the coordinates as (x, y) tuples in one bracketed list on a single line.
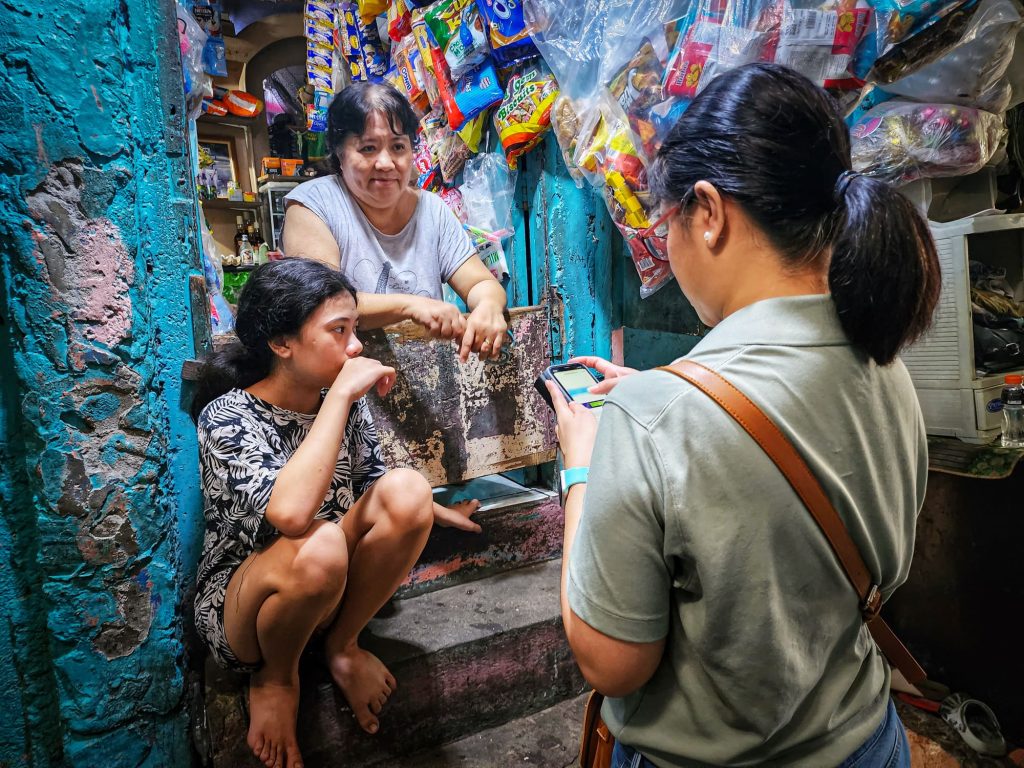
[(395, 243)]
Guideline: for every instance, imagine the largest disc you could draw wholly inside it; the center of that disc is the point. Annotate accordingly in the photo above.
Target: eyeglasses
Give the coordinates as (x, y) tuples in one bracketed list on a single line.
[(660, 227)]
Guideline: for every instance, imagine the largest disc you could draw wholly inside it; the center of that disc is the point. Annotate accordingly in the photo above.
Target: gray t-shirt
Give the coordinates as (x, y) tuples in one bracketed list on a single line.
[(418, 260), (690, 532)]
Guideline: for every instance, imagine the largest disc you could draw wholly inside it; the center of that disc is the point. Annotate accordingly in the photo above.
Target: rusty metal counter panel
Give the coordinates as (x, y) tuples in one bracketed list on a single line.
[(454, 421)]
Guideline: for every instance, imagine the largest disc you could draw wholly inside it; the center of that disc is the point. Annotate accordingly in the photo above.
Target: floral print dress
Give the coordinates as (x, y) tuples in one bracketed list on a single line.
[(243, 443)]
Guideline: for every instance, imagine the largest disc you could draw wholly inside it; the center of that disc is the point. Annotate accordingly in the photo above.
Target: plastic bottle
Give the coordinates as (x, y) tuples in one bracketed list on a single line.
[(1013, 411), (246, 252)]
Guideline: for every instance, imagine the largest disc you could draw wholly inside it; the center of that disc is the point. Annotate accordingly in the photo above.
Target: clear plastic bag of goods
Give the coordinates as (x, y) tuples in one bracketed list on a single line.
[(905, 35), (973, 72), (903, 141), (608, 156), (191, 40), (488, 192), (565, 121)]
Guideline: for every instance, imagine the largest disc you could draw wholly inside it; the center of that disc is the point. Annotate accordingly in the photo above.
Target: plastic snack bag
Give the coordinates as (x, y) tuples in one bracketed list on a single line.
[(472, 132), (452, 197), (478, 91), (399, 20), (371, 9), (525, 114), (973, 72), (902, 141), (458, 29), (566, 123), (452, 154), (510, 40), (406, 61)]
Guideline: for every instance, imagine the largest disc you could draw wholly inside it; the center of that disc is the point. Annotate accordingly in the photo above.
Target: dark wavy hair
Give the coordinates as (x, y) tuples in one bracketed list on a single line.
[(275, 303), (772, 141), (353, 106)]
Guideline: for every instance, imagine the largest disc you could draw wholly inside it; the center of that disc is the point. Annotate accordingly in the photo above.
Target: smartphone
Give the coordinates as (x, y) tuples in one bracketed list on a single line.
[(573, 381)]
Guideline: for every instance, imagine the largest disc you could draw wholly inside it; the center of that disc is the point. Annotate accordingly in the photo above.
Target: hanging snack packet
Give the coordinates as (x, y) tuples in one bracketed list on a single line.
[(453, 199), (371, 9), (421, 34), (452, 156), (473, 130), (525, 114), (567, 130), (458, 29), (434, 128), (476, 92), (506, 30), (405, 57), (399, 20)]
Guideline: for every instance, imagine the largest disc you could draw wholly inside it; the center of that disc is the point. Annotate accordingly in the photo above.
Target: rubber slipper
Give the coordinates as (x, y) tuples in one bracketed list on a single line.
[(976, 724)]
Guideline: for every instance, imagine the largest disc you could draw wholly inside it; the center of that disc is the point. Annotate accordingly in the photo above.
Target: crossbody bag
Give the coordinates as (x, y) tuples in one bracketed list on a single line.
[(597, 742)]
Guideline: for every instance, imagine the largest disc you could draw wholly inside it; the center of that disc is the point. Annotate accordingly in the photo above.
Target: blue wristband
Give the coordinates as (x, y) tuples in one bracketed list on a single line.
[(573, 476)]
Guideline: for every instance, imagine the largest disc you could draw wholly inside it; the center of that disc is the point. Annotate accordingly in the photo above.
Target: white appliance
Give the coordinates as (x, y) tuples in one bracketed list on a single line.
[(956, 399)]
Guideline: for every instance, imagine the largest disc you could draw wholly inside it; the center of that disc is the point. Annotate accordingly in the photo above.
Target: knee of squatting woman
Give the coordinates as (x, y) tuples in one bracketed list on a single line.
[(305, 530), (698, 593)]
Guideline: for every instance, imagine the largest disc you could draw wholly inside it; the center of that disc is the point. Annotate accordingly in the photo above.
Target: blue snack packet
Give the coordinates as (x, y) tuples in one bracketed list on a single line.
[(506, 30)]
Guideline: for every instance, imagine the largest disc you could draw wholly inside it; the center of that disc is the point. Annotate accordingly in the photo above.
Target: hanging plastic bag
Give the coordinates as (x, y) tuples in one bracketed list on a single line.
[(192, 39), (566, 123), (638, 90), (222, 321), (902, 141), (606, 154), (904, 35), (488, 192), (525, 113), (973, 72)]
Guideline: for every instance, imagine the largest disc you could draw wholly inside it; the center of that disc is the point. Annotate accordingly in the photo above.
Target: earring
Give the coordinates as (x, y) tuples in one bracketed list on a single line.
[(707, 238)]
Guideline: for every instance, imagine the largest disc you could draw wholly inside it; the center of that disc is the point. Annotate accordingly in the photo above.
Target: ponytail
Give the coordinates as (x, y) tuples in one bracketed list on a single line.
[(232, 367), (884, 273), (769, 139), (275, 303)]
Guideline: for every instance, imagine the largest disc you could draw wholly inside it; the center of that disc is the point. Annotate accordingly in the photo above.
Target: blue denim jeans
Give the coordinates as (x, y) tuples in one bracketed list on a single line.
[(886, 748)]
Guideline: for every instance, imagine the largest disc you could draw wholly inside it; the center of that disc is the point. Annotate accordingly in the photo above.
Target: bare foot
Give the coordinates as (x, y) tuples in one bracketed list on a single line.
[(273, 708), (365, 682)]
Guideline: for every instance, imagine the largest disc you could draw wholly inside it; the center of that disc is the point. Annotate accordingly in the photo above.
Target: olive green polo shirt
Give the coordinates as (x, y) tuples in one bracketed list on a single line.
[(690, 532)]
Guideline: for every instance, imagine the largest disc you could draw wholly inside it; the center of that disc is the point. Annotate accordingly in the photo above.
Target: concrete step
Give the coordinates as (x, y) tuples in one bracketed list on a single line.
[(467, 658), (547, 739), (516, 533)]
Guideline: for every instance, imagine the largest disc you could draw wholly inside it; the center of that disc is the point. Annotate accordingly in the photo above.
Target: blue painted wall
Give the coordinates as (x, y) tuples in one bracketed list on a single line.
[(99, 520), (567, 249)]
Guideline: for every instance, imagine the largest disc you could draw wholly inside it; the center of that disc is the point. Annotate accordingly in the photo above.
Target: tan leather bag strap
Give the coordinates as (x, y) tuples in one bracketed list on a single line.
[(795, 469)]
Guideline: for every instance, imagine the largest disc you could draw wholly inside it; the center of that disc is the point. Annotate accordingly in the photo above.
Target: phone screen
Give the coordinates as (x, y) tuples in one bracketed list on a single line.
[(576, 382)]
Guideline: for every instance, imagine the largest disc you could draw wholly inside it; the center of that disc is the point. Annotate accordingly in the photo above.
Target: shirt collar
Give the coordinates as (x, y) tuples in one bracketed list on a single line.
[(789, 321)]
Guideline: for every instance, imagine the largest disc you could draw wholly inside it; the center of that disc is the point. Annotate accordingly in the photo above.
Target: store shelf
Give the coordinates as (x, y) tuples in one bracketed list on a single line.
[(234, 120), (265, 178), (220, 204)]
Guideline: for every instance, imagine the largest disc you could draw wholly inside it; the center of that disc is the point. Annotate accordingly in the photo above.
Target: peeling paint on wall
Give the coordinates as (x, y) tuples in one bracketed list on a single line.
[(100, 510)]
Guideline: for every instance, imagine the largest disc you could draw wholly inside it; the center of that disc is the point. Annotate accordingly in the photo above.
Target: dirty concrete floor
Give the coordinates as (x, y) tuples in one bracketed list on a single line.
[(548, 739)]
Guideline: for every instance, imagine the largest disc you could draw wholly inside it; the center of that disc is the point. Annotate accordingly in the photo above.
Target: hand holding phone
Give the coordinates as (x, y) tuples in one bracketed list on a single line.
[(574, 382)]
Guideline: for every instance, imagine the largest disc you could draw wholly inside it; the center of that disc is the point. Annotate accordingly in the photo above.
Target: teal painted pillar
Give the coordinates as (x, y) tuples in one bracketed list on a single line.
[(99, 524), (562, 253)]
